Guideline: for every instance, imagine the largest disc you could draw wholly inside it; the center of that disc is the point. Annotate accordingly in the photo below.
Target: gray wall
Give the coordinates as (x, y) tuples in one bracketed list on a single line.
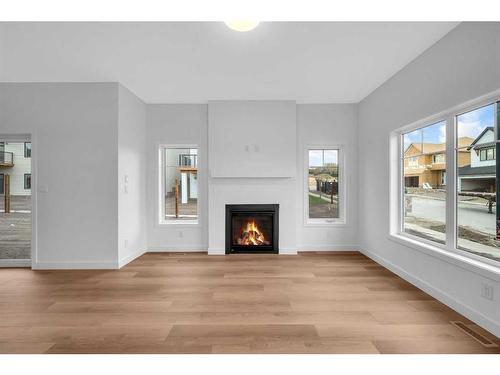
[(131, 176), (316, 123), (463, 65), (176, 124), (335, 124), (74, 136)]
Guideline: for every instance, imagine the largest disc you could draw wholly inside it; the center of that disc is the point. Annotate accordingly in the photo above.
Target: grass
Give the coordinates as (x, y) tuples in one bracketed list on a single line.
[(314, 200)]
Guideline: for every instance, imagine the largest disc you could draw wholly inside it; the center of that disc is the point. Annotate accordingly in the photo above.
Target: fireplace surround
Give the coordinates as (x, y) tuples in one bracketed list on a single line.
[(252, 228)]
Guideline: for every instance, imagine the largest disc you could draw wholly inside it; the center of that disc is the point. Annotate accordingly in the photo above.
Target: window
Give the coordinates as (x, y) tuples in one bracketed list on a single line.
[(438, 158), (450, 202), (2, 183), (487, 154), (478, 225), (324, 186), (424, 208), (179, 185), (27, 149), (413, 162), (27, 181)]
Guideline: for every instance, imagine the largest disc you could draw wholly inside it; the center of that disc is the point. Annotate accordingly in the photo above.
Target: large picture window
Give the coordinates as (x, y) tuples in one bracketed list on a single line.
[(324, 186), (424, 190), (460, 213), (477, 215), (179, 185)]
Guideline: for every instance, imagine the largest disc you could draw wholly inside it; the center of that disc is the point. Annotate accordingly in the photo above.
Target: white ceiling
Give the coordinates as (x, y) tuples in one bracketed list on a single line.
[(200, 61)]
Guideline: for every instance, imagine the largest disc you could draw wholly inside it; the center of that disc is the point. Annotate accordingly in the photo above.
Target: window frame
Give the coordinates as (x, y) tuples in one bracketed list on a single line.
[(26, 149), (448, 251), (160, 201), (435, 157), (486, 158), (25, 180), (402, 180), (342, 196)]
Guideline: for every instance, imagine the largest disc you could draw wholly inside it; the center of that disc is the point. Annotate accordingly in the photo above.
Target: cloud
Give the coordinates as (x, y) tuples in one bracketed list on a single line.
[(442, 133), (471, 124)]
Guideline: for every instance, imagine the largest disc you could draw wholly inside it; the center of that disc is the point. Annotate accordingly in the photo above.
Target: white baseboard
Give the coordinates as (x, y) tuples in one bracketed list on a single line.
[(328, 248), (110, 265), (288, 251), (215, 251), (129, 258), (176, 249), (440, 295), (11, 263)]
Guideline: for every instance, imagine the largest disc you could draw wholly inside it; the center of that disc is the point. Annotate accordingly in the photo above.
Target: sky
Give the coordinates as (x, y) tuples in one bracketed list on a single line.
[(469, 124), (316, 157)]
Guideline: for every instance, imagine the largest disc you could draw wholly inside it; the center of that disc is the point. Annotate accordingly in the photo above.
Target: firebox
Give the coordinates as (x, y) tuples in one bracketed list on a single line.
[(252, 228)]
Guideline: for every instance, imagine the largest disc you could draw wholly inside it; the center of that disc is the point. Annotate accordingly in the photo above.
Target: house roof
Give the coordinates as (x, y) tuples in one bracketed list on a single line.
[(469, 171), (488, 128), (483, 145), (435, 148)]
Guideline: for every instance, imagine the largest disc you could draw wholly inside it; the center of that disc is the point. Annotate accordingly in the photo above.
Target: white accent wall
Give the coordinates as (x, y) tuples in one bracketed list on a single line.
[(460, 67), (252, 151), (252, 139)]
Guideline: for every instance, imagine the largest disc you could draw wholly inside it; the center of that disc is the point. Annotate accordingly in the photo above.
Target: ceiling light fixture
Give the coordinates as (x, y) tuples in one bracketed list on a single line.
[(242, 26)]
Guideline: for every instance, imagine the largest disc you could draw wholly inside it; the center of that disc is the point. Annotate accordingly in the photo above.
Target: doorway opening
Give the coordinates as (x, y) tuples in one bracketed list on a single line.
[(15, 201)]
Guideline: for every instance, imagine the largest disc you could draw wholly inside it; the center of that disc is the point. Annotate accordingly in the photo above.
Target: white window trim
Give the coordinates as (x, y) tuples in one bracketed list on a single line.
[(342, 219), (160, 200), (448, 252)]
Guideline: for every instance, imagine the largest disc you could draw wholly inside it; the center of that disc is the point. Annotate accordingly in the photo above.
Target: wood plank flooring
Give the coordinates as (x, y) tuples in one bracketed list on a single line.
[(195, 303)]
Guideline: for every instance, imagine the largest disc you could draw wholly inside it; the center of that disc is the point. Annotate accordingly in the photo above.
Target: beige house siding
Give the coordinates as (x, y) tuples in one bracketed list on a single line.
[(21, 167), (420, 165)]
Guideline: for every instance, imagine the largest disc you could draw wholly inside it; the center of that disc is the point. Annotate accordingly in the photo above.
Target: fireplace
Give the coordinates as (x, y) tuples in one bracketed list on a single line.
[(252, 228)]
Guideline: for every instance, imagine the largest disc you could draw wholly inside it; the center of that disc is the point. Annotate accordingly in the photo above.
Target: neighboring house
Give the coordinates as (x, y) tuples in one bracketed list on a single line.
[(425, 163), (480, 175), (183, 168), (15, 160)]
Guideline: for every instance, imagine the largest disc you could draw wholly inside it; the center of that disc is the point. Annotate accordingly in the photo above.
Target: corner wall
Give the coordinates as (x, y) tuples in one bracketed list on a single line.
[(460, 67), (131, 176), (75, 150)]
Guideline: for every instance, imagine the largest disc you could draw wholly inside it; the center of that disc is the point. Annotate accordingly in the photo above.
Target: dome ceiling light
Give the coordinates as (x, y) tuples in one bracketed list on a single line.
[(242, 26)]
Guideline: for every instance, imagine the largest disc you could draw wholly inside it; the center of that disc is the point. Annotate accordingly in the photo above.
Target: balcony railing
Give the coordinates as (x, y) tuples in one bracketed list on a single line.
[(6, 159)]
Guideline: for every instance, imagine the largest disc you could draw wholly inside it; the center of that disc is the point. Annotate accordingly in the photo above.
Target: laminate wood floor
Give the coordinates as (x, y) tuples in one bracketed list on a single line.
[(195, 303)]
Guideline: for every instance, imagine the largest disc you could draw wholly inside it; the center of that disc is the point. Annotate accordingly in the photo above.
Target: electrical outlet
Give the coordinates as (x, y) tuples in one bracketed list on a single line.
[(487, 291), (181, 234), (125, 243)]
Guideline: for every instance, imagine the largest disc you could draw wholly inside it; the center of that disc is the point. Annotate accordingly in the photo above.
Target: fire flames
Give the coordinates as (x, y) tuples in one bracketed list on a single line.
[(251, 235)]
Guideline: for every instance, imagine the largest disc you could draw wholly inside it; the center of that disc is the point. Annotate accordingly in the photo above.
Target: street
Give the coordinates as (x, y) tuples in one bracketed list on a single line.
[(470, 215)]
